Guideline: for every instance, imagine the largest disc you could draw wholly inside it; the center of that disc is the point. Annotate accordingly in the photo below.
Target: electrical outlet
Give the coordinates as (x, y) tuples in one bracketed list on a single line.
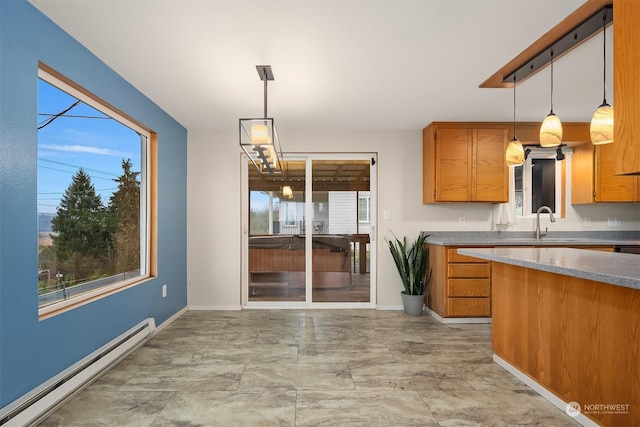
[(462, 221), (386, 214), (164, 291), (587, 222)]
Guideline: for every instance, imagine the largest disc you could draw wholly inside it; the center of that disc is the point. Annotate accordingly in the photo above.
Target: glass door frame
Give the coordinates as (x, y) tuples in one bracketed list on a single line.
[(308, 303)]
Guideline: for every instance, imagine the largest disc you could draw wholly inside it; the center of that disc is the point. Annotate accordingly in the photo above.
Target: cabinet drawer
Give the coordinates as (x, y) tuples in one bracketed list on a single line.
[(468, 307), (454, 256), (468, 287), (469, 270)]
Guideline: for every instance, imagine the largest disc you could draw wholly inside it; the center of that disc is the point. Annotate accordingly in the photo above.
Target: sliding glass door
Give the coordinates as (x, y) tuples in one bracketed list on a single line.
[(309, 232), (276, 244), (341, 249)]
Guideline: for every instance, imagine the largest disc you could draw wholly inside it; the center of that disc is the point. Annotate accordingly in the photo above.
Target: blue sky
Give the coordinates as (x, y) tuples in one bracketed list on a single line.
[(93, 141)]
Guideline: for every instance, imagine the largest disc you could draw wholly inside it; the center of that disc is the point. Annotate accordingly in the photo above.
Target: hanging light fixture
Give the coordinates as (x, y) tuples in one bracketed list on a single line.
[(602, 121), (258, 137), (551, 128), (515, 151), (287, 191)]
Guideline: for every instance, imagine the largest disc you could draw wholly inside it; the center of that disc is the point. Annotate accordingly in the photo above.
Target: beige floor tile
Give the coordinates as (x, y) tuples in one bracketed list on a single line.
[(185, 377), (402, 376), (354, 355), (310, 368), (432, 353), (228, 409), (110, 408), (499, 408), (297, 377), (251, 353), (368, 409)]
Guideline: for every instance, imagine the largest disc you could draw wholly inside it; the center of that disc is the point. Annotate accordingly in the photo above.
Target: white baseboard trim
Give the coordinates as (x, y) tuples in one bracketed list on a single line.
[(215, 307), (390, 307), (458, 319), (538, 388), (34, 406)]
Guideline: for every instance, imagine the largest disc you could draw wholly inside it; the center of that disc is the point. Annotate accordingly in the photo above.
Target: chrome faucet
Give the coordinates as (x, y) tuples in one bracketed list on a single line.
[(551, 217)]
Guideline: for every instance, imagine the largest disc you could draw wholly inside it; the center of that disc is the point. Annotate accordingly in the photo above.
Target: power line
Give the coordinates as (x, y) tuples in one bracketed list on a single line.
[(73, 172), (78, 167), (55, 116)]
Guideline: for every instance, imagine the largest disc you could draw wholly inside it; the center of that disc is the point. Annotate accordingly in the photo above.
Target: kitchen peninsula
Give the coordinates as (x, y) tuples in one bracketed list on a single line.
[(567, 322), (460, 288)]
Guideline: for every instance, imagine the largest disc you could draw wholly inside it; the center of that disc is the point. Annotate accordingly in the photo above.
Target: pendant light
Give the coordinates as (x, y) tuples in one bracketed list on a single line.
[(259, 137), (602, 121), (287, 191), (515, 152), (551, 128)]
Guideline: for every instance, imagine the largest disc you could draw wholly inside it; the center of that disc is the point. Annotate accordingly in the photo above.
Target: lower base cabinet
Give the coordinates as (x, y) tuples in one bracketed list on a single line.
[(460, 285)]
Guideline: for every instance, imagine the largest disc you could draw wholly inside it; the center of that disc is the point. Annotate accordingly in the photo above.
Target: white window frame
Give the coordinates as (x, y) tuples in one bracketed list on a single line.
[(540, 153), (367, 197), (145, 197)]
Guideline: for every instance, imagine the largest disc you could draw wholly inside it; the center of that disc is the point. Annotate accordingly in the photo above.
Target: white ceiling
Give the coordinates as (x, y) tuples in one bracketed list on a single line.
[(338, 64)]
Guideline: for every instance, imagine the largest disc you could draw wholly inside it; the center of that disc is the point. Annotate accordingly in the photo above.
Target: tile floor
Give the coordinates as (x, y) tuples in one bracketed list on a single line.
[(310, 368)]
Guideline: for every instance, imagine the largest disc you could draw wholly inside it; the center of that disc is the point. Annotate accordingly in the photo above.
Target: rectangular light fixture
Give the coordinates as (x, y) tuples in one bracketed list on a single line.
[(258, 137), (259, 140)]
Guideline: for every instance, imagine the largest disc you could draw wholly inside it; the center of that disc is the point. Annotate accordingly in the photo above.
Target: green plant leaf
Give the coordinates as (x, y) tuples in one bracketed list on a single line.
[(411, 262)]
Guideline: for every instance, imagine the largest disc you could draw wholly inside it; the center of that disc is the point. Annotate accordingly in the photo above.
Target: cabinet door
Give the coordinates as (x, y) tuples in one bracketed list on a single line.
[(583, 176), (490, 172), (453, 164), (626, 86), (611, 188)]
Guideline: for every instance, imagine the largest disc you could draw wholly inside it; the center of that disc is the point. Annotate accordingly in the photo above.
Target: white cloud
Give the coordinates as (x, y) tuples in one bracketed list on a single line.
[(86, 149)]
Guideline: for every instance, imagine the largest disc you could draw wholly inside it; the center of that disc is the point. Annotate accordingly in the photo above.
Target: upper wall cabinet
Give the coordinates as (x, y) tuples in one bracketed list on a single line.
[(593, 179), (626, 86), (464, 162)]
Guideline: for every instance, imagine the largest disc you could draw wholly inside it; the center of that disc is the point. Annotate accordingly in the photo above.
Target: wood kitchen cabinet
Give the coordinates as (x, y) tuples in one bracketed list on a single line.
[(593, 179), (626, 86), (465, 162), (460, 285)]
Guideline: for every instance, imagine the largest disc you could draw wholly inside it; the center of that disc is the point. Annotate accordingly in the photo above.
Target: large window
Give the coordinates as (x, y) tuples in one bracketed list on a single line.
[(93, 188), (538, 182)]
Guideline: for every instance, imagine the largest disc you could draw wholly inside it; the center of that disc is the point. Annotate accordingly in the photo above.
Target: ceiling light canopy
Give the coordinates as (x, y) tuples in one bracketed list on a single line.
[(259, 137)]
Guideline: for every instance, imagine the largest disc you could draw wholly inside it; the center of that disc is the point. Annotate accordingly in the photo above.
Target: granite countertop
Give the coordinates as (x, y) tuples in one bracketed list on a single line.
[(523, 238), (607, 267)]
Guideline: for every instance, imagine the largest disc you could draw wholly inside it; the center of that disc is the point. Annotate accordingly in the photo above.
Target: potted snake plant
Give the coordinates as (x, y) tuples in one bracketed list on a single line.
[(412, 262)]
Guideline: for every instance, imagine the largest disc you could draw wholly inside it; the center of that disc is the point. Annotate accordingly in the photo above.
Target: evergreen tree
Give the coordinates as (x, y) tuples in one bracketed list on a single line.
[(125, 208), (83, 239)]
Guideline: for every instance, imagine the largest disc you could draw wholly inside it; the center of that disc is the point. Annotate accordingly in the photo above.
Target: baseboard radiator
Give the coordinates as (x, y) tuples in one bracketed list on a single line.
[(40, 402)]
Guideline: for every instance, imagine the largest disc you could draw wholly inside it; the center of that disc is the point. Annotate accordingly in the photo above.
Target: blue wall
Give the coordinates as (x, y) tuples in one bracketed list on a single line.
[(32, 351)]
